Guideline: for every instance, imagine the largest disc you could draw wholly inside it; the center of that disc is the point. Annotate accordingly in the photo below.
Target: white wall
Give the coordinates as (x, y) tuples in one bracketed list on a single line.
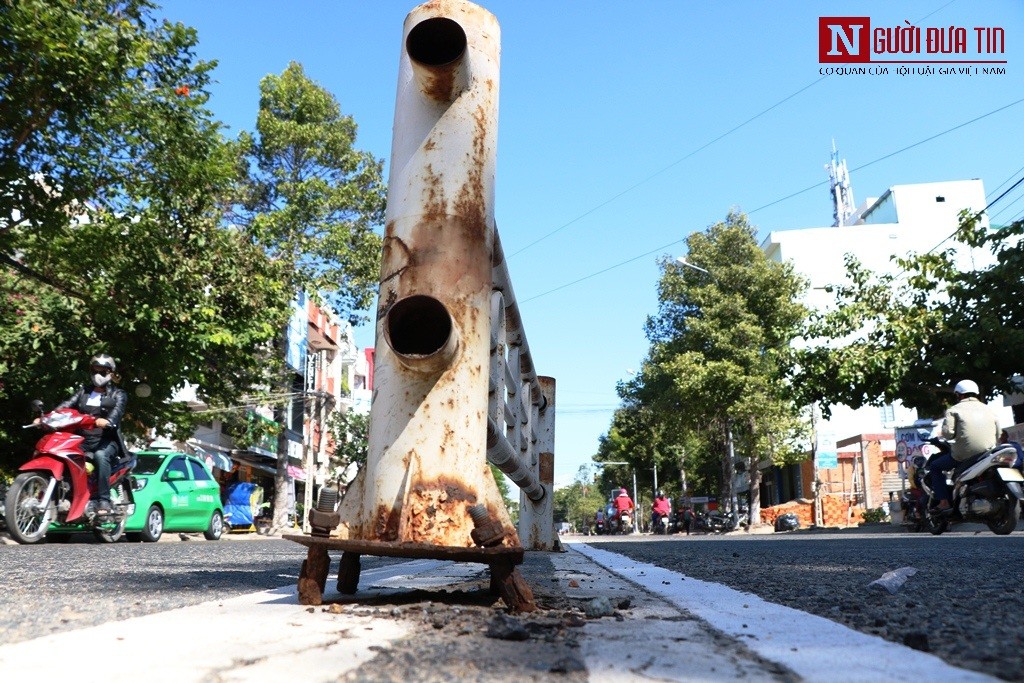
[(923, 224)]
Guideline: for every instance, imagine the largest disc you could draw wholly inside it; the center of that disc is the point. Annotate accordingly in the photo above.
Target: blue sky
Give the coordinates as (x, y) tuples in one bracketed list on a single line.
[(626, 126)]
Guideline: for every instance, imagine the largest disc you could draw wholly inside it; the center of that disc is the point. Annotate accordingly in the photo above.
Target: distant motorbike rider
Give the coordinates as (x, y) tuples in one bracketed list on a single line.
[(662, 507), (106, 402), (623, 503), (972, 428)]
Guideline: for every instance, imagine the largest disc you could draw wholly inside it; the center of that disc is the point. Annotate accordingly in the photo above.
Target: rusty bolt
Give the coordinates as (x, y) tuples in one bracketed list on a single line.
[(323, 519), (487, 532)]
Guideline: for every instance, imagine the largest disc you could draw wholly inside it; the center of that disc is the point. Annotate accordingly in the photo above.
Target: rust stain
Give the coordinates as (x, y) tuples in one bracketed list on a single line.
[(440, 85), (385, 523), (429, 144), (469, 204), (437, 512), (389, 300)]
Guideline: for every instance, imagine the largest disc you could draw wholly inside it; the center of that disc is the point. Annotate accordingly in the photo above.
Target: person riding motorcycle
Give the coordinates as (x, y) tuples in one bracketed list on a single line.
[(623, 503), (662, 507), (107, 402), (972, 428)]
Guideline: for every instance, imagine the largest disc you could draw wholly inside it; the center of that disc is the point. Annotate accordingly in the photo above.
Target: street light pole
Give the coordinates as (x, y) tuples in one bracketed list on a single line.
[(682, 261), (732, 474)]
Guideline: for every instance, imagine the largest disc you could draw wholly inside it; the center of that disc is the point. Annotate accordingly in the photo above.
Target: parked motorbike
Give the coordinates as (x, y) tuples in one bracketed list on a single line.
[(52, 493), (714, 522), (599, 526), (913, 502), (988, 489)]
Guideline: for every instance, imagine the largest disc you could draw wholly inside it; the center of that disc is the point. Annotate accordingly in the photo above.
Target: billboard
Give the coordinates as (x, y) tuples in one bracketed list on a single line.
[(913, 440)]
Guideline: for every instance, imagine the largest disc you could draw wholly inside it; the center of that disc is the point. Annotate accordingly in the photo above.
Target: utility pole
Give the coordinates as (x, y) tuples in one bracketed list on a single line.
[(682, 473), (816, 484), (636, 517), (732, 474)]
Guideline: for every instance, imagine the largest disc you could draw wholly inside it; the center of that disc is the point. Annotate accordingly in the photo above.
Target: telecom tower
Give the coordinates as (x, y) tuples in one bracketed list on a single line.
[(842, 190)]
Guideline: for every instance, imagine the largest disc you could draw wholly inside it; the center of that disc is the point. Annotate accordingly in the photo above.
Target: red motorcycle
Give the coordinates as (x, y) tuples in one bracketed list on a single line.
[(52, 495)]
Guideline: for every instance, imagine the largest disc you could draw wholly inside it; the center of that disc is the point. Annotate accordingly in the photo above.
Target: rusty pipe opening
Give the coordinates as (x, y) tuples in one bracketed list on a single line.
[(436, 48), (419, 329)]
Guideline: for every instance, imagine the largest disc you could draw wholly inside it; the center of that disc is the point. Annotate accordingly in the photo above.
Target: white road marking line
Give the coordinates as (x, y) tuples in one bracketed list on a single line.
[(815, 648)]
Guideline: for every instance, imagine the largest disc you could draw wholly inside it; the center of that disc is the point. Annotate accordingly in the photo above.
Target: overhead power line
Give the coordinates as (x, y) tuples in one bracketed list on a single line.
[(889, 155), (587, 277), (695, 151), (806, 189)]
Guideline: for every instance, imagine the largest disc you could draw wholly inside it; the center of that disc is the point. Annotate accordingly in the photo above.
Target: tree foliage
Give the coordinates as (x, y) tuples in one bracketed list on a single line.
[(720, 352), (577, 504), (113, 177), (312, 199), (911, 335), (350, 433)]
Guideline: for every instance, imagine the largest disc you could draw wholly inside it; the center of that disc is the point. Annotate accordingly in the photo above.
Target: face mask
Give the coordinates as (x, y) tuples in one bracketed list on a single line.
[(100, 380)]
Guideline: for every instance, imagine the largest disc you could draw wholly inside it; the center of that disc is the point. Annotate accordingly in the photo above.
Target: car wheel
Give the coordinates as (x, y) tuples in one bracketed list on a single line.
[(154, 526), (216, 528)]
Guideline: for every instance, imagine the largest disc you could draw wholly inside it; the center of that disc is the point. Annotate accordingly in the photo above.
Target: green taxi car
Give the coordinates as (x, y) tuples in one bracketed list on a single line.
[(174, 492)]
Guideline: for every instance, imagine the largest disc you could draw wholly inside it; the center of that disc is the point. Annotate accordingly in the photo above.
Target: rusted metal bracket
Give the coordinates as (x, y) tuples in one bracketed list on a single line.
[(506, 581)]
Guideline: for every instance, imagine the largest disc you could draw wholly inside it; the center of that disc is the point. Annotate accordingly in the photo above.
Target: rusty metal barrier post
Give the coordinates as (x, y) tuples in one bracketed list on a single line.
[(521, 431), (426, 489)]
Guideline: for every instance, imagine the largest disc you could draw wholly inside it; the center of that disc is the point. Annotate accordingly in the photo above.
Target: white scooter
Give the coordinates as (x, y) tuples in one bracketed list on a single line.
[(988, 489)]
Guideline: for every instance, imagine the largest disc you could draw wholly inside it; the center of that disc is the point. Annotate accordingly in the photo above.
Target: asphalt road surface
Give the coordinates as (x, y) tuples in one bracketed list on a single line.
[(963, 604)]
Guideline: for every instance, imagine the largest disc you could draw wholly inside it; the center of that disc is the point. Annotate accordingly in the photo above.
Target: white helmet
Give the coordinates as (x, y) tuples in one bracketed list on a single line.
[(965, 387)]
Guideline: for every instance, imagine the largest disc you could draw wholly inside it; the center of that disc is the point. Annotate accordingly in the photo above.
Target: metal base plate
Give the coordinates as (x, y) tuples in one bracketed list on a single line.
[(412, 550)]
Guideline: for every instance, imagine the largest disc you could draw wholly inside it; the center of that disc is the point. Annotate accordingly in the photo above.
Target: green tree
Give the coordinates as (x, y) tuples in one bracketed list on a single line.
[(578, 502), (351, 435), (720, 352), (911, 335), (112, 180), (311, 201)]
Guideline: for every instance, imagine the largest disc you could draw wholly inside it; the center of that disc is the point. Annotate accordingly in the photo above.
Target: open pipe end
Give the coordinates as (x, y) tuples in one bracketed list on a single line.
[(436, 48), (420, 331)]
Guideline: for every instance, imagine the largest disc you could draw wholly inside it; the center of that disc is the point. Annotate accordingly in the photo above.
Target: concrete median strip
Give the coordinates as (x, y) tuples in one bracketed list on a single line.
[(256, 637), (657, 625)]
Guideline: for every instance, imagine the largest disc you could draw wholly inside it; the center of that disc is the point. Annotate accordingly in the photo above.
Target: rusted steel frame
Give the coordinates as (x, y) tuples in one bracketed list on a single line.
[(516, 334), (496, 405), (536, 520), (501, 453), (427, 443)]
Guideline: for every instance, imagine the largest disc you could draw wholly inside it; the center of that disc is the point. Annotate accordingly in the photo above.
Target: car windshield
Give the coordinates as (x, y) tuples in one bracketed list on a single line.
[(148, 464)]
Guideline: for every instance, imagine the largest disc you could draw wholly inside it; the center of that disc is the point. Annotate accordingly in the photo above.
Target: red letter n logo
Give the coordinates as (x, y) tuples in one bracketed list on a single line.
[(844, 39)]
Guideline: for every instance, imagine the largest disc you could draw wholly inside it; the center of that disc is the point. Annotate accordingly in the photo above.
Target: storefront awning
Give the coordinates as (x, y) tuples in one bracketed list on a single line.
[(212, 458), (254, 461), (296, 473)]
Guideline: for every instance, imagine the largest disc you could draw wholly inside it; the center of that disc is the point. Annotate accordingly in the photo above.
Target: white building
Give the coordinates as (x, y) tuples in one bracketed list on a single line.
[(905, 219)]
